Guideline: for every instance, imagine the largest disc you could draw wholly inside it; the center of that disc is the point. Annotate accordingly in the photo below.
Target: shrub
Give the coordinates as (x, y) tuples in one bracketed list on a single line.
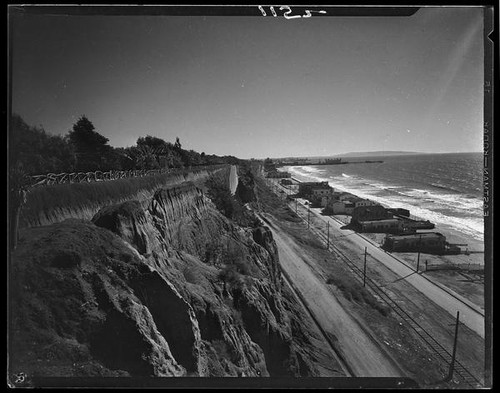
[(230, 206), (355, 292)]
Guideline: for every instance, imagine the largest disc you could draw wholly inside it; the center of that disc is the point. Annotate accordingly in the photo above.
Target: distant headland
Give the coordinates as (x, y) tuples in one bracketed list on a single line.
[(378, 153)]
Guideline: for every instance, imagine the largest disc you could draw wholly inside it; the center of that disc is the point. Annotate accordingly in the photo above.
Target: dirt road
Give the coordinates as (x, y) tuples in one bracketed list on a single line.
[(363, 356)]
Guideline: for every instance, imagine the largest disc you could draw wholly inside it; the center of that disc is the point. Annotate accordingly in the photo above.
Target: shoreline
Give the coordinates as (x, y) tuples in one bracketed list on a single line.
[(438, 317), (452, 235), (462, 273)]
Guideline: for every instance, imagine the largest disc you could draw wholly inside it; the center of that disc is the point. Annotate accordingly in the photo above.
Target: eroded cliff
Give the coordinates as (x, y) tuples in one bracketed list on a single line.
[(166, 288)]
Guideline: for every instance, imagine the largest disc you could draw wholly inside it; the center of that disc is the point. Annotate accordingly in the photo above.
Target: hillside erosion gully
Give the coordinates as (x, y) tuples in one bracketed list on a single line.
[(171, 287)]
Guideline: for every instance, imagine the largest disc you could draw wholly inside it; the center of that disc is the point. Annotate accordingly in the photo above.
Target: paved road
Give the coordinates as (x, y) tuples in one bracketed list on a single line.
[(364, 357), (447, 299), (470, 314)]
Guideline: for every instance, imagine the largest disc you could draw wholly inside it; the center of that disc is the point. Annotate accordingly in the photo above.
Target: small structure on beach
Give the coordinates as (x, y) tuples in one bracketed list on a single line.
[(331, 198), (390, 225), (370, 213), (414, 225), (399, 212), (339, 207), (315, 192), (278, 174), (306, 188), (426, 242), (344, 203), (364, 202)]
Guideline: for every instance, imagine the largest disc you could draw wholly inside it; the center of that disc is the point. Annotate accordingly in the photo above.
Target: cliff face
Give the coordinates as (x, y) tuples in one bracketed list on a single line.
[(169, 288)]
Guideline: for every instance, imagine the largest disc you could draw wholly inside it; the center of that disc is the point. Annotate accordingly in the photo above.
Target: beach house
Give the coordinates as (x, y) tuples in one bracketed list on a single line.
[(339, 207), (391, 225), (369, 213), (430, 242), (399, 212), (278, 175), (306, 188)]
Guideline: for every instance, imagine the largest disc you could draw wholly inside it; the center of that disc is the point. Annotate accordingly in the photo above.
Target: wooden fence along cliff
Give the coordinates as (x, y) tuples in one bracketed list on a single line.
[(87, 177)]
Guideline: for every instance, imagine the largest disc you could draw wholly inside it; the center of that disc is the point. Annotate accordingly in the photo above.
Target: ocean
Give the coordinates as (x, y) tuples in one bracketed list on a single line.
[(446, 189)]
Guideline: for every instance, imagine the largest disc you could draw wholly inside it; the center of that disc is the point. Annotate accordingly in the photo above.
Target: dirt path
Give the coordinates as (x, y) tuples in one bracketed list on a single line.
[(363, 356)]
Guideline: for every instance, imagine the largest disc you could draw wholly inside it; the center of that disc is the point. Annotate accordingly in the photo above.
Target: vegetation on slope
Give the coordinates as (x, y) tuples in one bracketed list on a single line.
[(34, 151), (43, 201)]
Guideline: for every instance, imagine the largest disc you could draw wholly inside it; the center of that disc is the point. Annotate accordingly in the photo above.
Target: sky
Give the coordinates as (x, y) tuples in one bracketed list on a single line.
[(255, 86)]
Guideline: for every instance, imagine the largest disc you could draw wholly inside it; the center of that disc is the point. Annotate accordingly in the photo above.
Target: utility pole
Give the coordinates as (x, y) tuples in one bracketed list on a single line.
[(452, 363), (419, 248), (308, 215), (328, 235), (364, 270)]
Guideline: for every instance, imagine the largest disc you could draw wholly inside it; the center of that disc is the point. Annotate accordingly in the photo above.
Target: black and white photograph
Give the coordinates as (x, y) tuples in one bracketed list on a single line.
[(259, 196)]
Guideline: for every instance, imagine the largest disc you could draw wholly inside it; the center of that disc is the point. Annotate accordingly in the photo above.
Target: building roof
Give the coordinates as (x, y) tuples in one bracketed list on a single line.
[(387, 220), (313, 183), (418, 235)]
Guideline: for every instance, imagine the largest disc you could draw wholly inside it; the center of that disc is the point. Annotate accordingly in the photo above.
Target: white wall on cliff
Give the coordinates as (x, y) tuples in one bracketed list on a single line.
[(233, 179)]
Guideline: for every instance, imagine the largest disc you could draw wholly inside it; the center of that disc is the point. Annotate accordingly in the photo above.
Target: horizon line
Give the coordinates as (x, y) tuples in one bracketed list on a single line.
[(366, 153)]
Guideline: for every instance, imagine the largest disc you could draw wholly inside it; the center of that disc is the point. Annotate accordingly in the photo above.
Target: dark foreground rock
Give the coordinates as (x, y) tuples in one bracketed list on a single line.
[(172, 290)]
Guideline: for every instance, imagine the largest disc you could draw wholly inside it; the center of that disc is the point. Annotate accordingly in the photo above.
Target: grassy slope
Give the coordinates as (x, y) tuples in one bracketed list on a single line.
[(43, 201)]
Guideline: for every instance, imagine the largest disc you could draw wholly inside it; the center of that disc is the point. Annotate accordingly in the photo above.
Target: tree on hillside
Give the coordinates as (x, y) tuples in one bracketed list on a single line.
[(177, 144), (36, 151), (92, 149), (124, 160), (165, 154), (153, 142), (143, 157), (31, 151)]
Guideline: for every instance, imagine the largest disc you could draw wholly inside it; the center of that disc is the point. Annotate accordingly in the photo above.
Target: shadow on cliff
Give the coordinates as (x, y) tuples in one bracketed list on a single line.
[(175, 288)]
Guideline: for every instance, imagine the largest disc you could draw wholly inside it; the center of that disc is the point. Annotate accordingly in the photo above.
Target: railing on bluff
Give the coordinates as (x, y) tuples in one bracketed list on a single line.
[(87, 177)]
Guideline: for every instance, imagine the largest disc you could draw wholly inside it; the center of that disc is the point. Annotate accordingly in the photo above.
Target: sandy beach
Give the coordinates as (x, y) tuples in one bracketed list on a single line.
[(463, 273), (475, 246)]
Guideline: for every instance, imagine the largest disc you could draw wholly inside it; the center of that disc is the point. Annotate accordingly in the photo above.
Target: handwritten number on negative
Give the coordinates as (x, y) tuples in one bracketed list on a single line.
[(20, 378), (288, 11)]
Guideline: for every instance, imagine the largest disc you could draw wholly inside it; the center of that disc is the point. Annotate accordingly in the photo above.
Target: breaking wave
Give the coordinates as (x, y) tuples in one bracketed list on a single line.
[(446, 205)]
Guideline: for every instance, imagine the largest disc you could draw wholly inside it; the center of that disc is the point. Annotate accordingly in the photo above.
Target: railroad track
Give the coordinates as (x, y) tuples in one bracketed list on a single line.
[(424, 335), (439, 351)]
